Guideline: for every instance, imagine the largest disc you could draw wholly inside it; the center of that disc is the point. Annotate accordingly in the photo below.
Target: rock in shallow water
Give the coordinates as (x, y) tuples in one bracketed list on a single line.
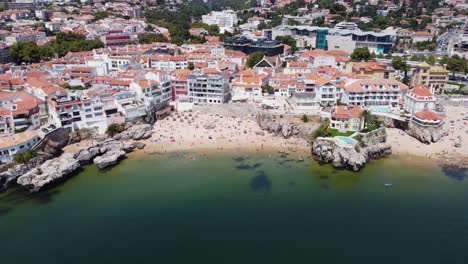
[(110, 158), (49, 171)]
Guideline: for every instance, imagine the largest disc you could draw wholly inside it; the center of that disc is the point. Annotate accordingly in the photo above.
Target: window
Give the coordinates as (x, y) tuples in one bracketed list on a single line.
[(97, 108), (88, 110), (87, 104), (89, 116), (98, 114), (22, 147)]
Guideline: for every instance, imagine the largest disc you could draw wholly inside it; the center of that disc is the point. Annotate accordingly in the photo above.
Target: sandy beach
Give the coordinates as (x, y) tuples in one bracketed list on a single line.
[(213, 133), (403, 144), (216, 133)]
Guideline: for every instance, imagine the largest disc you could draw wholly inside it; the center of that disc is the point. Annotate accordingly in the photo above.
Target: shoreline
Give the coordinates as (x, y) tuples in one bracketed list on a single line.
[(210, 133), (303, 153)]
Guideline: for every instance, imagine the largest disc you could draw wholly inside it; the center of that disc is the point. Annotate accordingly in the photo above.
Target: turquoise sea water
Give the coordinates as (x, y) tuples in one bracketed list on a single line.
[(241, 209)]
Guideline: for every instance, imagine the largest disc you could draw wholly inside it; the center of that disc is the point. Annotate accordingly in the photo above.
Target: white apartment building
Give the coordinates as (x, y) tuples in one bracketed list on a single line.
[(129, 105), (208, 88), (18, 111), (373, 92), (77, 110), (226, 20), (168, 63), (154, 89), (14, 144), (248, 84), (420, 98)]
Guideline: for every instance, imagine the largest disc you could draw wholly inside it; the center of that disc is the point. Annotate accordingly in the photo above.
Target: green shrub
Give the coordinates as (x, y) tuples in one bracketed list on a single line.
[(114, 129), (305, 118), (322, 131), (19, 130), (23, 157)]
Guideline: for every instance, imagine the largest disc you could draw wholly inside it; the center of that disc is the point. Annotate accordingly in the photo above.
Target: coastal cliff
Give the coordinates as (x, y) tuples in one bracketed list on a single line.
[(45, 169), (49, 148), (105, 154), (284, 127), (425, 134), (367, 146)]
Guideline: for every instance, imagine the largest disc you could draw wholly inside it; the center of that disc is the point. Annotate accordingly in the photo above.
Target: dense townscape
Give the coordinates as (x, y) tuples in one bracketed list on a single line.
[(347, 81)]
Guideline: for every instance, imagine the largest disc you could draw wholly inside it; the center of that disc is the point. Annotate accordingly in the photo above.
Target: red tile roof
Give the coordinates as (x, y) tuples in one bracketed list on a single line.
[(428, 115), (421, 91), (347, 111)]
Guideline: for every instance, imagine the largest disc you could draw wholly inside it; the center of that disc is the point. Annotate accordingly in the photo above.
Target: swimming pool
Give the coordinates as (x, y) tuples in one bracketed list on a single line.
[(385, 109), (346, 140)]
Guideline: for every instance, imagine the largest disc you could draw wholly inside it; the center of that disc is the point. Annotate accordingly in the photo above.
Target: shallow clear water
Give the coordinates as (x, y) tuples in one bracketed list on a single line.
[(241, 209)]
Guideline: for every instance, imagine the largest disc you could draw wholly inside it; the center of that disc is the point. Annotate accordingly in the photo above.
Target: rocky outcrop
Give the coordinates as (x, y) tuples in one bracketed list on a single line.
[(110, 158), (82, 134), (103, 154), (426, 134), (48, 149), (452, 160), (49, 171), (284, 127), (135, 132), (107, 153), (368, 146), (9, 177)]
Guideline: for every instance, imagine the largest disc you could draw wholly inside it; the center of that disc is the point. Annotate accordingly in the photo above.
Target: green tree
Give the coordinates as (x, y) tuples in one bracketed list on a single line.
[(100, 15), (262, 26), (456, 64), (366, 115), (151, 37), (288, 40), (399, 64), (360, 54), (191, 66), (26, 51), (414, 58), (23, 157), (321, 131), (431, 60), (254, 58)]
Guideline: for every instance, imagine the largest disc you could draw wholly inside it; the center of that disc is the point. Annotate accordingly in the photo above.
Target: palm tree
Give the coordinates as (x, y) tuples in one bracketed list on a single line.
[(365, 114)]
